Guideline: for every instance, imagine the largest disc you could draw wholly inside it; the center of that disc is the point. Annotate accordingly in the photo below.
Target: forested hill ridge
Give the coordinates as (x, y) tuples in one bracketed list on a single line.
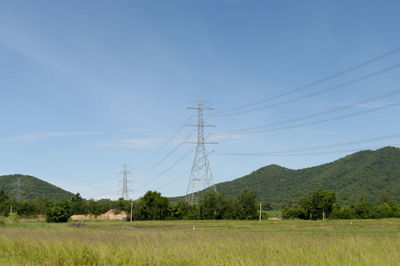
[(31, 187), (366, 174)]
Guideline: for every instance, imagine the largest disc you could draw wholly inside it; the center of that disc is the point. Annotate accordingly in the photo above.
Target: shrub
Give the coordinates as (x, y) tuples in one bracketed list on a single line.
[(293, 212), (341, 213), (13, 217), (2, 222), (59, 213), (363, 209), (26, 209)]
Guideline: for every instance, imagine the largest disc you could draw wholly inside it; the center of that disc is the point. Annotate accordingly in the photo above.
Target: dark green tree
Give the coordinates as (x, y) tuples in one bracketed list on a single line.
[(322, 202), (295, 212), (4, 204), (26, 209), (155, 206), (192, 212), (246, 205), (306, 208), (208, 205), (122, 205), (213, 205), (59, 213), (140, 211), (395, 206), (178, 210), (43, 204), (100, 206), (362, 209), (340, 213), (78, 205), (317, 206)]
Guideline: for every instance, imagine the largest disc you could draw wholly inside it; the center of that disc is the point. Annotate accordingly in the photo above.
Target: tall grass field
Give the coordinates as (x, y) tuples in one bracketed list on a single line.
[(345, 242)]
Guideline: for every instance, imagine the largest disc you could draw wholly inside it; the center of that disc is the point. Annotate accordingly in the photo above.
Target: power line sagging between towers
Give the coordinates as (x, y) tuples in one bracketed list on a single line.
[(236, 110), (311, 94)]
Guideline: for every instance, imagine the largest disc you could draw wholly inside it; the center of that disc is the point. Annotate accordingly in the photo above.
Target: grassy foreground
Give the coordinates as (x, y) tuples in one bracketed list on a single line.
[(362, 242)]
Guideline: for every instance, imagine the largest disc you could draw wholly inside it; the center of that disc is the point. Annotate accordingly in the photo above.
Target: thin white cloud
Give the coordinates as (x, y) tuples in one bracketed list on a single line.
[(135, 129), (45, 135), (25, 42), (132, 143)]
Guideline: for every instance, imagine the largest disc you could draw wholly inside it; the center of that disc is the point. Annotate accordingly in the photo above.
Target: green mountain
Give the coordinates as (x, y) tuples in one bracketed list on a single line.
[(366, 174), (31, 187)]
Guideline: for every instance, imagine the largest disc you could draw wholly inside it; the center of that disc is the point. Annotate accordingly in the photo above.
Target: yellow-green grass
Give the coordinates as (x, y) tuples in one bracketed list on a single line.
[(357, 242)]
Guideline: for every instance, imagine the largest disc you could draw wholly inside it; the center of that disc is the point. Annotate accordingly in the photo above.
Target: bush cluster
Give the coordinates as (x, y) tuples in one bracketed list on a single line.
[(212, 205), (152, 206), (320, 202)]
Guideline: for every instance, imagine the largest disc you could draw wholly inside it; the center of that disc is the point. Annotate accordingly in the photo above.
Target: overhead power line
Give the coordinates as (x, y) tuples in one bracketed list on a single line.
[(175, 179), (328, 119), (329, 111), (186, 155), (164, 145), (311, 153), (321, 153), (294, 152), (159, 162), (314, 83), (347, 83), (111, 194)]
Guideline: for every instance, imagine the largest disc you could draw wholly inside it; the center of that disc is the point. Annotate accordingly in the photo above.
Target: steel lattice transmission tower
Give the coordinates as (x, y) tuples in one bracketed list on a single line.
[(125, 173), (201, 172), (18, 188)]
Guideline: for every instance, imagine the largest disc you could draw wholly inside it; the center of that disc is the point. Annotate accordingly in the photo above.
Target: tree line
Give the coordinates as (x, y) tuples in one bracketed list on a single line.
[(153, 206), (322, 204)]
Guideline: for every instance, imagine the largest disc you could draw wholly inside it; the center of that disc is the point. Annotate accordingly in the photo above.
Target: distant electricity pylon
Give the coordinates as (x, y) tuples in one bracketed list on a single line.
[(18, 188), (125, 173), (201, 171)]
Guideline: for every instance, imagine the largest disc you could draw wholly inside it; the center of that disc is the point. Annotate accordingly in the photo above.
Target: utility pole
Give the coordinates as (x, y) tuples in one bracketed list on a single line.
[(201, 171), (125, 173), (260, 210), (131, 209)]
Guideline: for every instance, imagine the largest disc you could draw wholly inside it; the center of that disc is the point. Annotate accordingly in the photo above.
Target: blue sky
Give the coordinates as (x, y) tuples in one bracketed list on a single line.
[(89, 85)]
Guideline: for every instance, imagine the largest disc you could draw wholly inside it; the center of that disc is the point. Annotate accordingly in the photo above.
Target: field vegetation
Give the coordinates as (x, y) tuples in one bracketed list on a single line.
[(204, 242)]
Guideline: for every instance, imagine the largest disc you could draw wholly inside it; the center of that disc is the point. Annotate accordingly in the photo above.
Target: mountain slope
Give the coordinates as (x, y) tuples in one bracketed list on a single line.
[(31, 188), (364, 174)]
